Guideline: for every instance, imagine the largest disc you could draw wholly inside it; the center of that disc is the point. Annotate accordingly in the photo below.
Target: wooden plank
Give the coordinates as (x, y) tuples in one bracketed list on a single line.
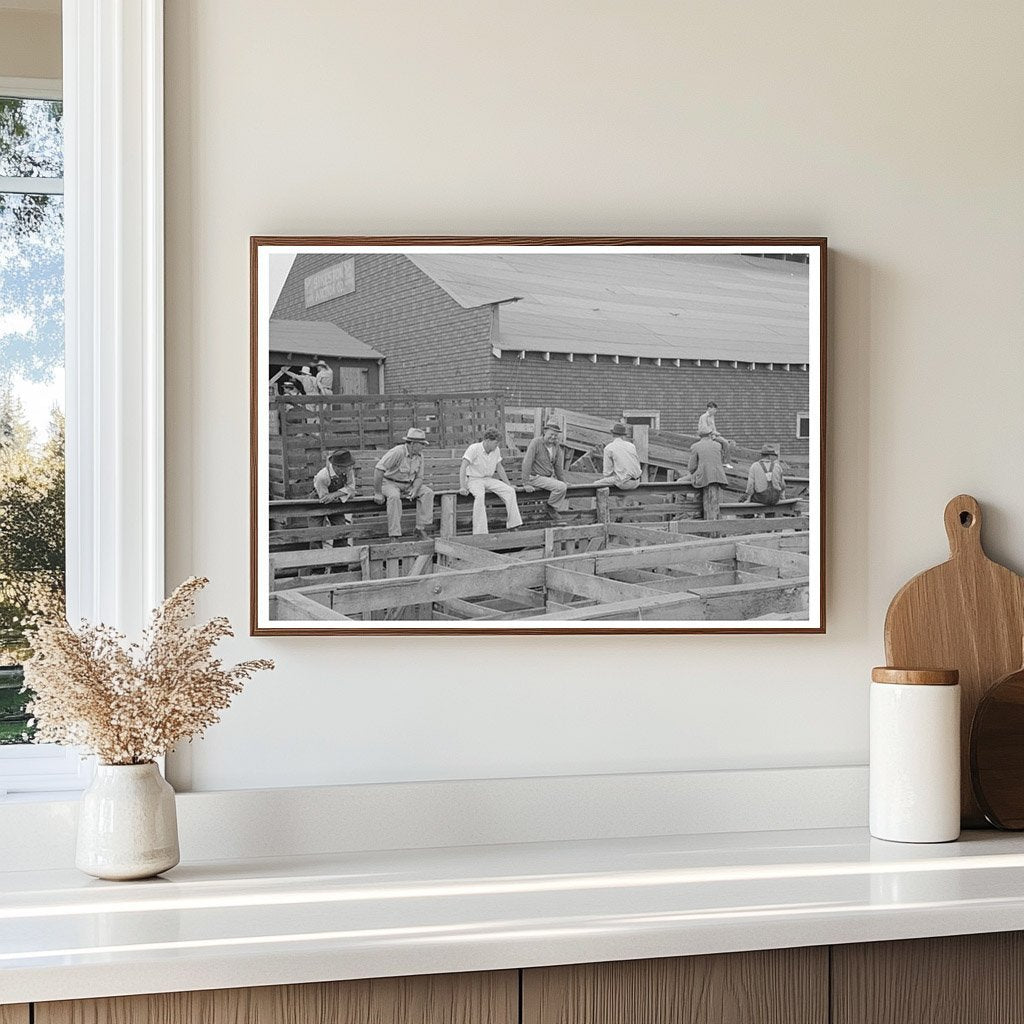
[(775, 986), (382, 594), (960, 979), (660, 555), (291, 606), (470, 555), (14, 1014), (647, 608), (491, 996), (595, 588), (792, 562), (729, 527)]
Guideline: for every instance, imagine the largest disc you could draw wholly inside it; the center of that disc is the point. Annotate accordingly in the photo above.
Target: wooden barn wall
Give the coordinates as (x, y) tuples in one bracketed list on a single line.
[(431, 343), (754, 405)]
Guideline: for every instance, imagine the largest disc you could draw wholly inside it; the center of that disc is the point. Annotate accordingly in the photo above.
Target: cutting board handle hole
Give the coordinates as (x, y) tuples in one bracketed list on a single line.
[(966, 519)]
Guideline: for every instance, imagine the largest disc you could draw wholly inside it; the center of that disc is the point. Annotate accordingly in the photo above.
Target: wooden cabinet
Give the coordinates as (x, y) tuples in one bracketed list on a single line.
[(962, 979), (777, 986), (491, 998), (967, 979)]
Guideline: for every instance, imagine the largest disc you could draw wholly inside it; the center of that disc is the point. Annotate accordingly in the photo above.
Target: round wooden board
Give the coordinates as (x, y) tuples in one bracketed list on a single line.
[(968, 614), (997, 753)]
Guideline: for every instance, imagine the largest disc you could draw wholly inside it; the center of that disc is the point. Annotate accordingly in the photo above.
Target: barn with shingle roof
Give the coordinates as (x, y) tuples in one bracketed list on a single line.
[(645, 337)]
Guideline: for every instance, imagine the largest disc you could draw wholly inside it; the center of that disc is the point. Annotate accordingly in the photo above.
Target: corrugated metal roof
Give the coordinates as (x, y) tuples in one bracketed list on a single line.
[(317, 338), (681, 306)]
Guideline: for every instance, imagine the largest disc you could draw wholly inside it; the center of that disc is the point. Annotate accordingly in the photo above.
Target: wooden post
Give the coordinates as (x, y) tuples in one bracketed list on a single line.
[(448, 515), (641, 441), (601, 506), (711, 501), (538, 421)]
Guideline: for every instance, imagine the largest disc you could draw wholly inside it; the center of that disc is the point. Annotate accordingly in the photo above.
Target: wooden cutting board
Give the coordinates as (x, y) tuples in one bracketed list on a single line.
[(967, 614)]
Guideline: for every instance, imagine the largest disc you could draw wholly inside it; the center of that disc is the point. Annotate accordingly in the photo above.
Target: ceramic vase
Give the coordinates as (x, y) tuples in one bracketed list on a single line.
[(127, 825)]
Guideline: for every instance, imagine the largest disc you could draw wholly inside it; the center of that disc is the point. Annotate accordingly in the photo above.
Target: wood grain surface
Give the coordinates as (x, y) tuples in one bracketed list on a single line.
[(915, 676), (997, 752), (967, 614), (961, 979), (779, 986), (14, 1014), (480, 998)]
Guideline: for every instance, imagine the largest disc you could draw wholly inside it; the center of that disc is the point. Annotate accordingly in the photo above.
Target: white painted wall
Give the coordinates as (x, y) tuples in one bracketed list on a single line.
[(895, 129)]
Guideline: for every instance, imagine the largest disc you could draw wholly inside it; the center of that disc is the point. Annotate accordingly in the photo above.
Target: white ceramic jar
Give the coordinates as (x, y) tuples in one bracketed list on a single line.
[(915, 755), (127, 823)]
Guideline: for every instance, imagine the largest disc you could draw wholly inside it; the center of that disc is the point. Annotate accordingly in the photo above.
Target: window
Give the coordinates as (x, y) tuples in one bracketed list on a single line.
[(644, 417), (32, 551), (803, 426)]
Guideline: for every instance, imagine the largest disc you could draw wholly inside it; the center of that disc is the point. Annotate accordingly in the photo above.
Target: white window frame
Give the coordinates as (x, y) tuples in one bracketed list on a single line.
[(114, 348), (803, 416), (654, 415)]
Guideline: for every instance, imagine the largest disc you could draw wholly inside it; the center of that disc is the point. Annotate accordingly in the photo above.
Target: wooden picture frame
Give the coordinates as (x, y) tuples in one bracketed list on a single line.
[(357, 343)]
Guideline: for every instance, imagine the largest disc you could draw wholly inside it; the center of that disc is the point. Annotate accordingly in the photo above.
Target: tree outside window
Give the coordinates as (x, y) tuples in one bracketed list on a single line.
[(32, 542)]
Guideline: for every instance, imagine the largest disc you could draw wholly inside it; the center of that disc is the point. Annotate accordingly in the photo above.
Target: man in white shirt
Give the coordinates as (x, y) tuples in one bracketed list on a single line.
[(621, 462), (706, 425), (481, 471), (324, 378)]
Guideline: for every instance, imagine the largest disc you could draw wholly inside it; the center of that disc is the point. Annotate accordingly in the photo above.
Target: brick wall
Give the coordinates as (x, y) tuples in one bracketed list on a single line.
[(431, 343), (754, 405)]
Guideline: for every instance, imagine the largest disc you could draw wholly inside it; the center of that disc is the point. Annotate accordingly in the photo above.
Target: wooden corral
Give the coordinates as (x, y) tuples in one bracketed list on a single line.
[(604, 571), (305, 430), (659, 552)]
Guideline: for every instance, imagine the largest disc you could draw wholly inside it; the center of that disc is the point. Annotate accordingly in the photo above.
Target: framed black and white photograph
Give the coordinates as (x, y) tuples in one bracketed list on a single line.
[(537, 435)]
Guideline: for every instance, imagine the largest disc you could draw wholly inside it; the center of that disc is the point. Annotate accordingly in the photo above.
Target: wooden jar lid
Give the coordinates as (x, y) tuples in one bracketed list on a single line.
[(916, 676)]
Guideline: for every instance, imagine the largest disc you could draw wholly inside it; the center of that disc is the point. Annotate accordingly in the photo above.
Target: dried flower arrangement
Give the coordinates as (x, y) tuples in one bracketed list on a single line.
[(130, 703)]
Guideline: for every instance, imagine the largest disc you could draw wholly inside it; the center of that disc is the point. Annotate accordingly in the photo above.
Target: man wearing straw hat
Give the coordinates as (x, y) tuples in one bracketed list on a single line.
[(398, 475), (544, 467)]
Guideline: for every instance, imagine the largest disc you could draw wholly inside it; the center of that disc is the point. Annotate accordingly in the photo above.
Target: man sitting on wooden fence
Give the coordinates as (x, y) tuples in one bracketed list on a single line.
[(765, 482), (621, 462), (481, 471), (544, 467), (398, 475), (336, 482)]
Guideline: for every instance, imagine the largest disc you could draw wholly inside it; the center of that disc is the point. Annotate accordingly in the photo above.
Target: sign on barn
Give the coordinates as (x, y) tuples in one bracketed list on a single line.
[(331, 282)]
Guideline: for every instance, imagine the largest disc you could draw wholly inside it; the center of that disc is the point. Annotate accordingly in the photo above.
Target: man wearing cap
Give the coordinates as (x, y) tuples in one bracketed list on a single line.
[(544, 467), (398, 475), (336, 482), (482, 471), (765, 482), (707, 473), (621, 462)]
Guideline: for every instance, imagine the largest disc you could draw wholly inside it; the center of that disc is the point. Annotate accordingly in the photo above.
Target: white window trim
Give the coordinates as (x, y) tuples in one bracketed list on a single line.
[(803, 416), (652, 414), (113, 160)]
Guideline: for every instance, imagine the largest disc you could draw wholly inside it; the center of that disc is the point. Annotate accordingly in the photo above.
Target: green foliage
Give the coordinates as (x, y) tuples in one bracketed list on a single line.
[(31, 525)]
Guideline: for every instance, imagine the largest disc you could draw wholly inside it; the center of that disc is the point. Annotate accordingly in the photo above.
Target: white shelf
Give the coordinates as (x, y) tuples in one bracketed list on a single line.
[(352, 915)]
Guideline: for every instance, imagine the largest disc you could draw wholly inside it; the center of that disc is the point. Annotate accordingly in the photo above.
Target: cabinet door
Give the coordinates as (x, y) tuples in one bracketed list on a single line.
[(14, 1014), (961, 979), (483, 998), (778, 986)]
